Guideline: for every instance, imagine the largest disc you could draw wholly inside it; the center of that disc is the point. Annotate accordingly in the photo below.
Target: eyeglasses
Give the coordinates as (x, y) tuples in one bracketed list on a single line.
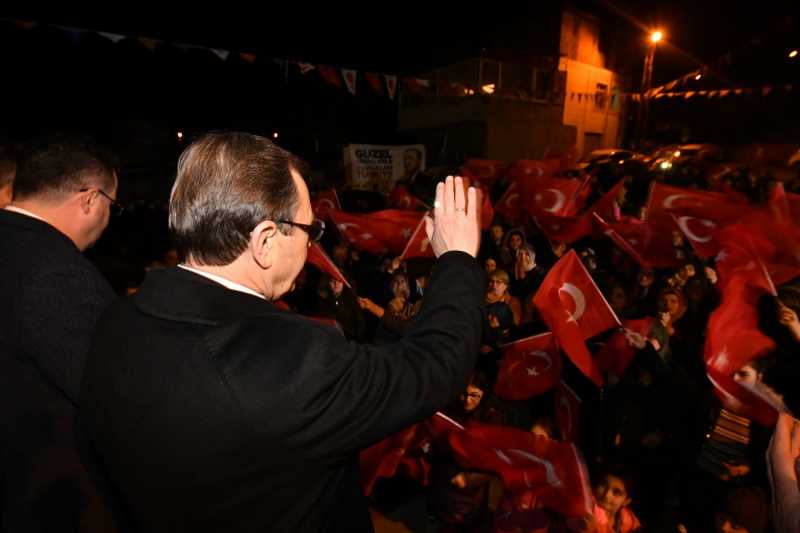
[(115, 208), (314, 230)]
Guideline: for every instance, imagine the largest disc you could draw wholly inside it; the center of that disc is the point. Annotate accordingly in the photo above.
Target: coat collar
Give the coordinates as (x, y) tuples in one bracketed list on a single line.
[(181, 295)]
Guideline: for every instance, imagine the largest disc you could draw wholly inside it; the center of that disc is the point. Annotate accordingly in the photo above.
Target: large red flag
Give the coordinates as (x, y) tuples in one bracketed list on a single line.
[(419, 245), (564, 230), (406, 452), (323, 203), (509, 204), (482, 169), (732, 340), (379, 231), (524, 169), (552, 195), (400, 198), (617, 354), (574, 309), (630, 244), (530, 367), (318, 258), (550, 469), (567, 411)]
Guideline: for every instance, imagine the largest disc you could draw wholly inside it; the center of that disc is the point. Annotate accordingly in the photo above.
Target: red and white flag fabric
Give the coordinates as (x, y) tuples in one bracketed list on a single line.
[(509, 205), (330, 75), (400, 198), (377, 232), (349, 77), (575, 310), (628, 245), (552, 470), (483, 170), (530, 367), (564, 230), (406, 453), (617, 354), (391, 85), (318, 258), (324, 202), (374, 81), (526, 169), (567, 411), (305, 68), (419, 245), (554, 196), (732, 340), (416, 85)]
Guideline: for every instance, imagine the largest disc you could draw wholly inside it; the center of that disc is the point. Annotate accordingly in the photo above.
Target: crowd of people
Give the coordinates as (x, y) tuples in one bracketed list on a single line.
[(663, 453)]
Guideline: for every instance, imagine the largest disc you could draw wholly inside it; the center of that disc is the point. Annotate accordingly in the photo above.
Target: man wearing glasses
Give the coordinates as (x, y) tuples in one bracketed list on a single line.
[(213, 409), (52, 297)]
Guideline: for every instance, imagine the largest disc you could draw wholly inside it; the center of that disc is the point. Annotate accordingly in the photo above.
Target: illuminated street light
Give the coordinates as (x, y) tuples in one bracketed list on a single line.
[(656, 36), (180, 135), (275, 135), (488, 88), (793, 54), (698, 76)]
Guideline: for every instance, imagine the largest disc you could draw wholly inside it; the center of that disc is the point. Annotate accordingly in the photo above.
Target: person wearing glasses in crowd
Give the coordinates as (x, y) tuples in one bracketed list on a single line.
[(64, 193), (212, 409)]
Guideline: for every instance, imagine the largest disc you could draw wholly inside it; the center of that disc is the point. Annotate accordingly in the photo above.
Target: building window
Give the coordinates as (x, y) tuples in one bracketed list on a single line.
[(600, 96)]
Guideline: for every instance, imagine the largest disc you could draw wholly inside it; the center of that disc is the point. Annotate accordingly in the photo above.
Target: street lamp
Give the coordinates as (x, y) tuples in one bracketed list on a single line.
[(647, 77)]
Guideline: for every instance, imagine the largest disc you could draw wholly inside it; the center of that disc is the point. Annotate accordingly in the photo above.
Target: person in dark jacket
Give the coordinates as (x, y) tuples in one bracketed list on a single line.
[(52, 296), (212, 409)]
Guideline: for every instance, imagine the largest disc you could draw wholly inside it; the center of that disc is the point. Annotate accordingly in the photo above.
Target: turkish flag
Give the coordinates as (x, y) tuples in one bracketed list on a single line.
[(627, 244), (761, 248), (407, 452), (509, 205), (318, 258), (567, 411), (524, 169), (732, 340), (530, 367), (575, 310), (379, 231), (323, 203), (550, 469), (419, 245), (695, 213), (607, 206), (551, 195), (400, 198), (482, 169), (618, 354), (564, 230)]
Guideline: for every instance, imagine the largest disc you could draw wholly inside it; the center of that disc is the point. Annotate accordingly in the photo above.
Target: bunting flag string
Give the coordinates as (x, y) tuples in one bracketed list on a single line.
[(342, 78)]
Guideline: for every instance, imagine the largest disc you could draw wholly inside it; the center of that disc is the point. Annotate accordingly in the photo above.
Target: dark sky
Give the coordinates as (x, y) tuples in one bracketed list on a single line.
[(413, 35)]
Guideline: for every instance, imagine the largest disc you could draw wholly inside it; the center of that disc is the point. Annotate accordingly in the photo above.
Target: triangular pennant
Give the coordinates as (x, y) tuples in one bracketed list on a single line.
[(374, 81), (113, 37), (330, 75), (222, 54), (25, 24), (149, 43), (247, 57), (391, 85), (305, 68), (349, 79)]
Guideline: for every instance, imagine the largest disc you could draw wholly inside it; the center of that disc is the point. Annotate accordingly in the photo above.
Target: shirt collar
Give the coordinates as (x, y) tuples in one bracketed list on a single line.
[(232, 285)]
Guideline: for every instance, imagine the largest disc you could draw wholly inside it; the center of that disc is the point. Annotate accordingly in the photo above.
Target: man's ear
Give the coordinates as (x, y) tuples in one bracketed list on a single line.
[(262, 243), (87, 199)]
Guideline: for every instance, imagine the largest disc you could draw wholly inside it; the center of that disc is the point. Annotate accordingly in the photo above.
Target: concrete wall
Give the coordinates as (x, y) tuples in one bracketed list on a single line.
[(581, 108)]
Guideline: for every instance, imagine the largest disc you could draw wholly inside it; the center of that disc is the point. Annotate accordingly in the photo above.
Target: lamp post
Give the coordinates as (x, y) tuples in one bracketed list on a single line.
[(647, 79)]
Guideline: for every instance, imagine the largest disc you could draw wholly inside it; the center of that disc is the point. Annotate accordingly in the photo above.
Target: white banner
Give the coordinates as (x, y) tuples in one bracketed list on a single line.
[(370, 167)]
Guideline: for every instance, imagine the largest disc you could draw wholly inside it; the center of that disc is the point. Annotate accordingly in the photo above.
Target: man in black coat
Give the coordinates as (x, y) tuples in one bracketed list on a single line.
[(52, 297), (213, 409)]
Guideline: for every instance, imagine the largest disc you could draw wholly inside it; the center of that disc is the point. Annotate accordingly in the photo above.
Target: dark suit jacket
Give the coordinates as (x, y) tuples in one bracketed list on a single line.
[(52, 297), (214, 410)]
